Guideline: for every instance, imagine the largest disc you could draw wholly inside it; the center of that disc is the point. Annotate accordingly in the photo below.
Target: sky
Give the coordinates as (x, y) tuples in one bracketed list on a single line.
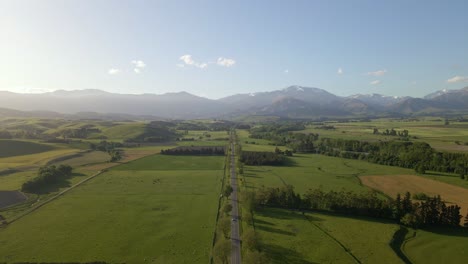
[(219, 48)]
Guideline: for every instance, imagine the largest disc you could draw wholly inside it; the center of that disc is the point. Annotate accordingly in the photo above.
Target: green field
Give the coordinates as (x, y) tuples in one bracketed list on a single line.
[(311, 171), (440, 245), (290, 237), (430, 130), (147, 210), (10, 148), (35, 160)]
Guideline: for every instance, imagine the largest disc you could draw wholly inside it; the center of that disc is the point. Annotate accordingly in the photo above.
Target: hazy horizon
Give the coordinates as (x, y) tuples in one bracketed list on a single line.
[(215, 49)]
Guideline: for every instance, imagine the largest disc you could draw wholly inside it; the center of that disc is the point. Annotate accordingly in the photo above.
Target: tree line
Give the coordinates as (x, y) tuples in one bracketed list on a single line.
[(259, 158), (194, 151), (414, 155), (47, 175), (430, 212)]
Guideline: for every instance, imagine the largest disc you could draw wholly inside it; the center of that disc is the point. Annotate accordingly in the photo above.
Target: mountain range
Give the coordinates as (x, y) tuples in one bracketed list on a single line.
[(291, 102)]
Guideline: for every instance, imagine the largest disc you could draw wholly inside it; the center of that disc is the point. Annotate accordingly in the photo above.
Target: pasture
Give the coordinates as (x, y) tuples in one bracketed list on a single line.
[(290, 237), (11, 148), (438, 245), (442, 137), (151, 209), (311, 171)]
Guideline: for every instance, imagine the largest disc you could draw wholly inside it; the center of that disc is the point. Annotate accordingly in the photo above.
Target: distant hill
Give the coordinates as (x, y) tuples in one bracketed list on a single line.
[(291, 102)]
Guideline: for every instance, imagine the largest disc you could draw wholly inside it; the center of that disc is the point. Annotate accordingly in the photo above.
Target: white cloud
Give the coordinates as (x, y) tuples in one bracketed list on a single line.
[(113, 71), (458, 79), (187, 59), (225, 62), (377, 73), (137, 70), (340, 71), (139, 63), (286, 71), (376, 82)]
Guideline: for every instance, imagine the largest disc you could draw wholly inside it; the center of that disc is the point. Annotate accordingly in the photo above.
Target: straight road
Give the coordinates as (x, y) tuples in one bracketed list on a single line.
[(235, 238)]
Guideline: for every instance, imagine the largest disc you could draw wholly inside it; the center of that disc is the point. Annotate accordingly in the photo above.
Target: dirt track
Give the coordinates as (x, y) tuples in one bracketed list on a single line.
[(392, 185)]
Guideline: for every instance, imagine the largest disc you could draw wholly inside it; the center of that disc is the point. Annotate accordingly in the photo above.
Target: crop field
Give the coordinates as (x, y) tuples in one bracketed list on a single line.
[(290, 237), (10, 148), (392, 185), (439, 245), (311, 171), (151, 209)]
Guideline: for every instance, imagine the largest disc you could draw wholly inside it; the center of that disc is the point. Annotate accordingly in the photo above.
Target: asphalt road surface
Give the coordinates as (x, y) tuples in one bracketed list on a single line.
[(235, 239)]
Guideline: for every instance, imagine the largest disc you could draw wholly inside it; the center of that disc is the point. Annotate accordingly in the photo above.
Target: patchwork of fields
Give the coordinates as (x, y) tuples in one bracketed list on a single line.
[(161, 209), (149, 209)]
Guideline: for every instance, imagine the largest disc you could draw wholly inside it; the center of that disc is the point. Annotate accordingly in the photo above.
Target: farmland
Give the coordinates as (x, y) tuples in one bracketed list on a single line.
[(291, 237), (10, 148), (162, 208), (313, 171), (392, 185), (437, 246), (146, 209)]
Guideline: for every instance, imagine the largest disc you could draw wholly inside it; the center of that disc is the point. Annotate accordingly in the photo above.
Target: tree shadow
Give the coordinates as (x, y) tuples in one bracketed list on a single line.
[(251, 175), (263, 222), (448, 231), (285, 214), (280, 255), (290, 162)]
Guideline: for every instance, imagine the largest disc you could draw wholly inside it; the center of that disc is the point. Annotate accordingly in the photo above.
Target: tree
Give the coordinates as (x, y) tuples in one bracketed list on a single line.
[(227, 208), (227, 191), (251, 240), (224, 226), (222, 250), (410, 220), (465, 222), (114, 155), (256, 257), (420, 168)]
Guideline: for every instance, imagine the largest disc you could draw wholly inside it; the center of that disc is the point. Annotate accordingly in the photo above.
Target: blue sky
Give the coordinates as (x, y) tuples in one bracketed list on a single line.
[(389, 47)]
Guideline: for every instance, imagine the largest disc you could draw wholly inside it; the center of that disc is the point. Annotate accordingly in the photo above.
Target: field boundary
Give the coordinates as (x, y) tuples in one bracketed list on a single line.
[(66, 190), (334, 239), (54, 197), (219, 208)]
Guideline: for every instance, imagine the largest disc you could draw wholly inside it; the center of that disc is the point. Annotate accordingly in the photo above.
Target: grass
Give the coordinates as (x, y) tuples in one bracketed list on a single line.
[(148, 210), (84, 159), (310, 171), (38, 159), (170, 162), (442, 245), (430, 130), (290, 237), (11, 148)]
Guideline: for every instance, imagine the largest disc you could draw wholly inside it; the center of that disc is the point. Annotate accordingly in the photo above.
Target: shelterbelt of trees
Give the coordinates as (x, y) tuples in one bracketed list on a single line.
[(196, 150), (47, 175), (429, 212), (259, 158), (402, 153)]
